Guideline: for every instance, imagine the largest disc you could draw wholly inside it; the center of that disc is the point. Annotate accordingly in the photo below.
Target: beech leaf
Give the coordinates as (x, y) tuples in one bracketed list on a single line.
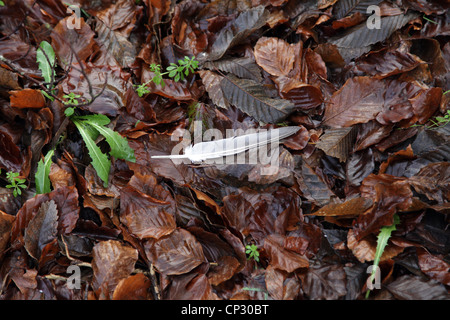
[(250, 97)]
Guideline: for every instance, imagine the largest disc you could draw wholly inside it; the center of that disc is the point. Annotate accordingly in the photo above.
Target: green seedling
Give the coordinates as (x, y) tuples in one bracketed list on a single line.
[(15, 183), (252, 251), (41, 177), (438, 122), (176, 71), (383, 238), (71, 99)]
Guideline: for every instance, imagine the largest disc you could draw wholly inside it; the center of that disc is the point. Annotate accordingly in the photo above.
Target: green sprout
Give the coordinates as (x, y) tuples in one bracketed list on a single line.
[(72, 99), (176, 71), (438, 122), (252, 251), (15, 183)]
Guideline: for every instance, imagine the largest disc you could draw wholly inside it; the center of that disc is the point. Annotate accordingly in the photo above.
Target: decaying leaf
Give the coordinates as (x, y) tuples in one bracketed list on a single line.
[(176, 253), (337, 142), (42, 229), (250, 97), (112, 262)]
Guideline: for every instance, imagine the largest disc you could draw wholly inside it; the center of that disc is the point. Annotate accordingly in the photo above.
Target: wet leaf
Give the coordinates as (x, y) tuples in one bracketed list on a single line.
[(387, 63), (433, 181), (275, 56), (362, 99), (325, 282), (6, 222), (251, 98), (211, 80), (389, 196), (244, 68), (433, 266), (282, 258), (27, 98), (244, 25), (176, 253), (112, 261), (42, 229), (192, 286), (337, 142), (365, 249), (113, 29), (135, 287), (361, 37), (410, 287), (350, 208), (144, 216), (80, 40), (359, 166), (280, 285), (313, 186)]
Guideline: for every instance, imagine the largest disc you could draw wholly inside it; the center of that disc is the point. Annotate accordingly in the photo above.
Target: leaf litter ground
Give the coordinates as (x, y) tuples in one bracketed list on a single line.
[(365, 100)]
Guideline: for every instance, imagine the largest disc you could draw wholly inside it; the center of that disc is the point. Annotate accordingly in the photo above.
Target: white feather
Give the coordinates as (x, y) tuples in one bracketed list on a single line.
[(226, 147)]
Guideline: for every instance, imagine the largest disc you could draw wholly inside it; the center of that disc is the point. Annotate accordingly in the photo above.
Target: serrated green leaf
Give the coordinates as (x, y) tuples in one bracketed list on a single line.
[(100, 161), (46, 66), (99, 119), (383, 238), (41, 177), (119, 145)]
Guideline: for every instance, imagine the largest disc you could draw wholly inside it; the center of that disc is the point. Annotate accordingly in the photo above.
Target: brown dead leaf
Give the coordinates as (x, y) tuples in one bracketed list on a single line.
[(348, 209), (112, 261), (282, 258), (275, 56), (42, 229), (6, 221), (27, 98), (176, 253), (281, 285), (135, 287)]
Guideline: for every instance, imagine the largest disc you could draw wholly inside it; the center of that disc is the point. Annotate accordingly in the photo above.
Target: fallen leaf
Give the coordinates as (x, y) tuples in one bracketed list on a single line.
[(176, 253), (408, 287), (350, 208), (275, 56), (433, 266), (112, 261), (337, 142), (42, 229), (27, 98), (282, 258), (324, 282), (135, 287), (433, 181)]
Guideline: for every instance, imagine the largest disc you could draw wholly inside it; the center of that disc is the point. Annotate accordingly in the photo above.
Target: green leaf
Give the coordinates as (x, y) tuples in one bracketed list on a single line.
[(100, 161), (69, 111), (119, 145), (46, 66), (42, 174), (99, 119)]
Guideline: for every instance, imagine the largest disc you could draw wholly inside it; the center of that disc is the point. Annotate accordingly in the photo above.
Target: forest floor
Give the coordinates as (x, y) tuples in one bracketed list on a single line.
[(91, 90)]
